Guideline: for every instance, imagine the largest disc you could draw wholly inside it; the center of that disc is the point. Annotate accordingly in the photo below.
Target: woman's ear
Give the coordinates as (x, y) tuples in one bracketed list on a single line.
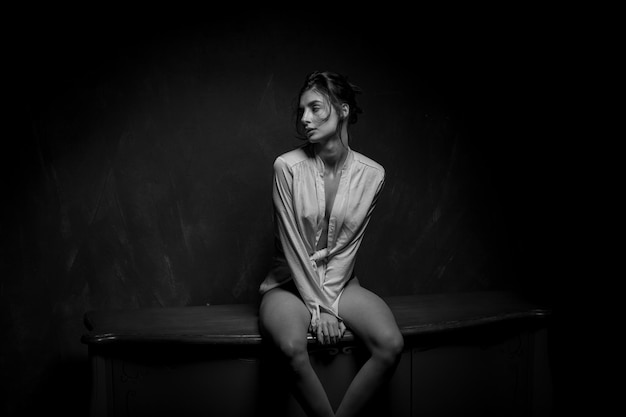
[(345, 110)]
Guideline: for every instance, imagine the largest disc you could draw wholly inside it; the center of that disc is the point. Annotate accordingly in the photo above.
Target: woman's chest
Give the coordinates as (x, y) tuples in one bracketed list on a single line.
[(331, 186)]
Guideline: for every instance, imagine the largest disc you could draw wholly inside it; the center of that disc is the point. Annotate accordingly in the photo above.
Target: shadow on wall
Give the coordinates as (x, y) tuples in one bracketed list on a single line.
[(65, 386)]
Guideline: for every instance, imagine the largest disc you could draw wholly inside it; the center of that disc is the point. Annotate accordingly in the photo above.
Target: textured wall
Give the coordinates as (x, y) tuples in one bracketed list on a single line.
[(142, 160)]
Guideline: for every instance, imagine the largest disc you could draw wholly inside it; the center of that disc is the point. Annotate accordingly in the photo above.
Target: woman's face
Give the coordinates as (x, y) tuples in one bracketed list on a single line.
[(319, 118)]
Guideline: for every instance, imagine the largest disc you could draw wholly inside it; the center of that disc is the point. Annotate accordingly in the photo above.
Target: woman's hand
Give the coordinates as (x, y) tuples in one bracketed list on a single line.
[(330, 329)]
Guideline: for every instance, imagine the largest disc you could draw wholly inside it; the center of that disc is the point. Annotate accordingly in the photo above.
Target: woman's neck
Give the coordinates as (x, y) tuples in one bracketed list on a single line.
[(333, 153)]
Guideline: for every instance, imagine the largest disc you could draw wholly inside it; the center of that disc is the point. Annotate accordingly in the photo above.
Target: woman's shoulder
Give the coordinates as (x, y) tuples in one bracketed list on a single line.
[(369, 163), (292, 157)]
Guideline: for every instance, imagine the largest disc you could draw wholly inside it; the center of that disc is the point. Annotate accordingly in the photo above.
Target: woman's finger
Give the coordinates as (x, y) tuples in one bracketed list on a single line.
[(326, 333), (322, 333), (332, 333)]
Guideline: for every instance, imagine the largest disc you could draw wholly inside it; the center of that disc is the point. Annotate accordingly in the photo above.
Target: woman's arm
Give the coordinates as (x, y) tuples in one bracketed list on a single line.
[(293, 245)]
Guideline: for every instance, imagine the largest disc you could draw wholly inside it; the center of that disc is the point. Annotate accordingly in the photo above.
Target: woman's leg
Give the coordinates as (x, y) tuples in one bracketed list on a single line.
[(285, 321), (369, 317)]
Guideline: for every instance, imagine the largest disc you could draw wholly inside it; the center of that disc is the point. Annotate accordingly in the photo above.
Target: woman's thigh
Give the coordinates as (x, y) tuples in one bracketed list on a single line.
[(284, 317), (368, 316)]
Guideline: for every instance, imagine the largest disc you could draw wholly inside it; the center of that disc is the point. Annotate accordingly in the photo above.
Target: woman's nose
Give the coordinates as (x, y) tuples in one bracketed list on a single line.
[(305, 119)]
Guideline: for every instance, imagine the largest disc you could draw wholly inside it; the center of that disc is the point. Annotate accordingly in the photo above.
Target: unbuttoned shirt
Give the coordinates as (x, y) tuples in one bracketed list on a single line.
[(299, 217)]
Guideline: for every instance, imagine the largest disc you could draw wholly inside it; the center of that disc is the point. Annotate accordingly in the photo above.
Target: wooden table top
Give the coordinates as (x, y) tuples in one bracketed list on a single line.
[(238, 323)]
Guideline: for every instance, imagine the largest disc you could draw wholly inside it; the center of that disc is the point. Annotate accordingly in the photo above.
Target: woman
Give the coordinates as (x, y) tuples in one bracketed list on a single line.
[(324, 194)]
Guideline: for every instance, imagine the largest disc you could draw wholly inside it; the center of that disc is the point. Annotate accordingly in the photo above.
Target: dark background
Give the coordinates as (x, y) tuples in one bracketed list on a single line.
[(139, 154)]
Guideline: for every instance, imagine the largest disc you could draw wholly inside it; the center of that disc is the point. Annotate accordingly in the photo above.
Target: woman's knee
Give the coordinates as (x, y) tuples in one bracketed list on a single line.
[(389, 347), (295, 352)]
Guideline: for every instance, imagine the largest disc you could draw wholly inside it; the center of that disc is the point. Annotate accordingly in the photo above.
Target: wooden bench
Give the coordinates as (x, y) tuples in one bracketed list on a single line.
[(473, 353)]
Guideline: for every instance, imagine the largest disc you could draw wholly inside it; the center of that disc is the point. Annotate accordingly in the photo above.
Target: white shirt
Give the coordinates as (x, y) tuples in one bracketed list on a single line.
[(299, 210)]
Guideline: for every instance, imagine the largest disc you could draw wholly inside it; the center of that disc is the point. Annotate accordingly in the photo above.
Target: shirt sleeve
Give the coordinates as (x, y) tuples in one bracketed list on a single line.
[(294, 247)]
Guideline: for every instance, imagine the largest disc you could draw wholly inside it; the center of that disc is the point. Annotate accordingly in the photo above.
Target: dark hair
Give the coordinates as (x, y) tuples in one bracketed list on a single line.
[(336, 89)]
